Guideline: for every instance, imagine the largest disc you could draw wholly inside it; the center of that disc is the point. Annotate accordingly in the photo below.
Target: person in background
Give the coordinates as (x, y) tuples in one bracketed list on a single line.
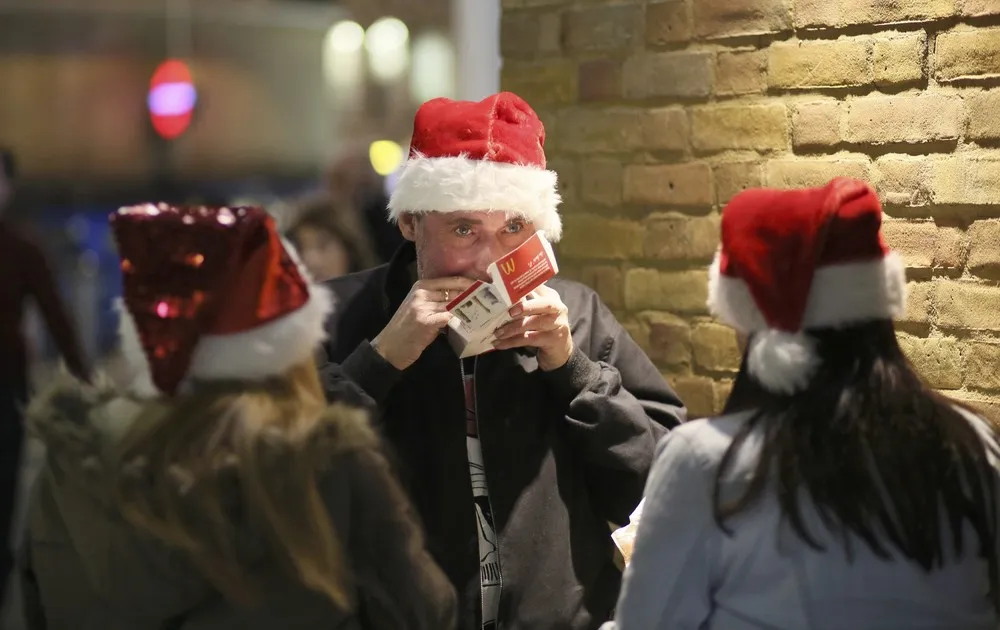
[(352, 178), (219, 491), (330, 239), (837, 490), (517, 459), (26, 276)]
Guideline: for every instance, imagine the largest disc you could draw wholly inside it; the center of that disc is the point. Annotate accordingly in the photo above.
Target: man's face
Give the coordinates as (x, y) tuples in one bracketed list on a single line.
[(462, 243)]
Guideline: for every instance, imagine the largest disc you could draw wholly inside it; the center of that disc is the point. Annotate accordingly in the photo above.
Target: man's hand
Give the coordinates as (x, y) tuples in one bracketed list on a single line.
[(418, 320), (541, 321)]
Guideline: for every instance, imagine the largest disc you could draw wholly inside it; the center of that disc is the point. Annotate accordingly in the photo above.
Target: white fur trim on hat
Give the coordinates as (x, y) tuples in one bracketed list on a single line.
[(841, 295), (266, 351), (782, 362), (456, 184)]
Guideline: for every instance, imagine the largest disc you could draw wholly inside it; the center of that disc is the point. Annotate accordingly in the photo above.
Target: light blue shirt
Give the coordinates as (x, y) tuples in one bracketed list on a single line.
[(685, 573)]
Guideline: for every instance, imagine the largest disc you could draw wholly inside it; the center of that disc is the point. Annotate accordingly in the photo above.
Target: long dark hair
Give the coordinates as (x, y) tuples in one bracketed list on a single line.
[(879, 453)]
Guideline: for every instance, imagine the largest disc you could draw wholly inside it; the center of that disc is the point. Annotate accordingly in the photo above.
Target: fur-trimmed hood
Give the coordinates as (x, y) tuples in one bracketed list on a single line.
[(82, 426)]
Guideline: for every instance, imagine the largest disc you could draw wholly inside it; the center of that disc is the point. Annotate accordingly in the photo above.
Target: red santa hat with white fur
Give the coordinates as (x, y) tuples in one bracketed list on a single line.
[(793, 260), (211, 294), (479, 156)]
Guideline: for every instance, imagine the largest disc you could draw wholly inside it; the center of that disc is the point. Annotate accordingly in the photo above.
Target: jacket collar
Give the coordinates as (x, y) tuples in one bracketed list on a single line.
[(398, 278)]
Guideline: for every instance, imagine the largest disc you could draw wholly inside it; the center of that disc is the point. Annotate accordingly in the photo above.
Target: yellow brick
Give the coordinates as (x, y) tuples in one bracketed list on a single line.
[(601, 182), (967, 54), (669, 338), (602, 130), (664, 129), (591, 236), (918, 303), (725, 18), (964, 180), (734, 177), (976, 8), (687, 184), (678, 291), (809, 172), (966, 305), (568, 180), (923, 244), (984, 249), (903, 180), (906, 119), (667, 22), (671, 74), (816, 124), (723, 388), (817, 64), (937, 359), (899, 58), (682, 237), (601, 28), (984, 121), (816, 13), (698, 394), (754, 127), (541, 83), (715, 348), (981, 361), (608, 283), (741, 72)]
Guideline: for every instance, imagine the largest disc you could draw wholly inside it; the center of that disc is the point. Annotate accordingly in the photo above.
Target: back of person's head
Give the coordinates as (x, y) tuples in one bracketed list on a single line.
[(325, 222), (221, 325), (8, 163), (808, 277)]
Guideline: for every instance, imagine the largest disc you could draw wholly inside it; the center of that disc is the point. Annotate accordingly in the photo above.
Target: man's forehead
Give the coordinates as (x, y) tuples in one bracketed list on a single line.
[(480, 216)]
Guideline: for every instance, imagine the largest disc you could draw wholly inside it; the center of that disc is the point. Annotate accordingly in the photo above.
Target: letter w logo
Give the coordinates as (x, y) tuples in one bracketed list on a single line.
[(507, 266)]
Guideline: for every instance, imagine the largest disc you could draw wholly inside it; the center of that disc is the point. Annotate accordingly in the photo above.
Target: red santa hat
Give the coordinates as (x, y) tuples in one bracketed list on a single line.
[(793, 260), (468, 156), (212, 294)]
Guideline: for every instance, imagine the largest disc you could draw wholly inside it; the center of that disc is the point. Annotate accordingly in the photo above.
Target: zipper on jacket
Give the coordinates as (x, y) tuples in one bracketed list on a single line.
[(489, 495)]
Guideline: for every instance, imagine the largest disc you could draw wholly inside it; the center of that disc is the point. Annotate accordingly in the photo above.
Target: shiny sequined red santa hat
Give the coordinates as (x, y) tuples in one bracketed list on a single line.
[(793, 260), (212, 294), (473, 156)]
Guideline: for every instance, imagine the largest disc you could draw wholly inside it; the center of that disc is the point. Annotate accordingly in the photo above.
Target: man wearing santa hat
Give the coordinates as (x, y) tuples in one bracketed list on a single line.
[(517, 459)]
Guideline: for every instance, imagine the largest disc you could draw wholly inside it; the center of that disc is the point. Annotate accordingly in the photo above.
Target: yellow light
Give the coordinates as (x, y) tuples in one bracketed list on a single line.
[(385, 156), (345, 37)]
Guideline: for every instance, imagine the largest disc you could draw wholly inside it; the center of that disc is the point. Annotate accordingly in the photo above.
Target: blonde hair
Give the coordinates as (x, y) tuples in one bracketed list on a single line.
[(264, 444)]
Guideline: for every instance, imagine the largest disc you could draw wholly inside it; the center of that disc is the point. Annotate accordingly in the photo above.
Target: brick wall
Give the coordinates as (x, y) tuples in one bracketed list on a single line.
[(659, 112)]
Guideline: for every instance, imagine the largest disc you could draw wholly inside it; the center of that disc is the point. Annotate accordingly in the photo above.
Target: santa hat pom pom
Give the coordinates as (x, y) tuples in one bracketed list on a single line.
[(782, 362)]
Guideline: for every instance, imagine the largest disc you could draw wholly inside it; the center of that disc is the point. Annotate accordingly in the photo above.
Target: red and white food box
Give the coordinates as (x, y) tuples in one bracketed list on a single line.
[(483, 307)]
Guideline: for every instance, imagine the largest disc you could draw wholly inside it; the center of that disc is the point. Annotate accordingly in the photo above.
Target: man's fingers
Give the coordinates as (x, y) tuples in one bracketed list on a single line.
[(527, 338), (451, 283), (538, 306), (437, 319), (539, 323), (441, 289)]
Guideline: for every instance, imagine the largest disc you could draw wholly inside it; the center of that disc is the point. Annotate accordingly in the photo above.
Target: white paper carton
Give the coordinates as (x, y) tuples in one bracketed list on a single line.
[(484, 306)]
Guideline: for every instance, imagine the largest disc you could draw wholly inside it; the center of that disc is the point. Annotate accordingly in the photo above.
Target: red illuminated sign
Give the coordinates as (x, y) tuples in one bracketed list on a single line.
[(171, 100)]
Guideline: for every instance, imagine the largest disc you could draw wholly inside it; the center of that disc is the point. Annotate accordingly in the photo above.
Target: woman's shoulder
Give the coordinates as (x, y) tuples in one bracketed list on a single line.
[(706, 440), (712, 436)]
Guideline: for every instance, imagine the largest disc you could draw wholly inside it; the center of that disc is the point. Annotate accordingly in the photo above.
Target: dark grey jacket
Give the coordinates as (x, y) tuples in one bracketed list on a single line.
[(83, 567), (565, 451)]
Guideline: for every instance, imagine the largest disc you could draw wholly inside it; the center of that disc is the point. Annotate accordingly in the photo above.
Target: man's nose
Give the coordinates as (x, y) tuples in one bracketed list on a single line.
[(491, 250)]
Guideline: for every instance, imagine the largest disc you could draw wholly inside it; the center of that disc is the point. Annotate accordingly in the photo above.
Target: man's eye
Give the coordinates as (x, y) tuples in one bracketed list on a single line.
[(515, 226), (463, 230)]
